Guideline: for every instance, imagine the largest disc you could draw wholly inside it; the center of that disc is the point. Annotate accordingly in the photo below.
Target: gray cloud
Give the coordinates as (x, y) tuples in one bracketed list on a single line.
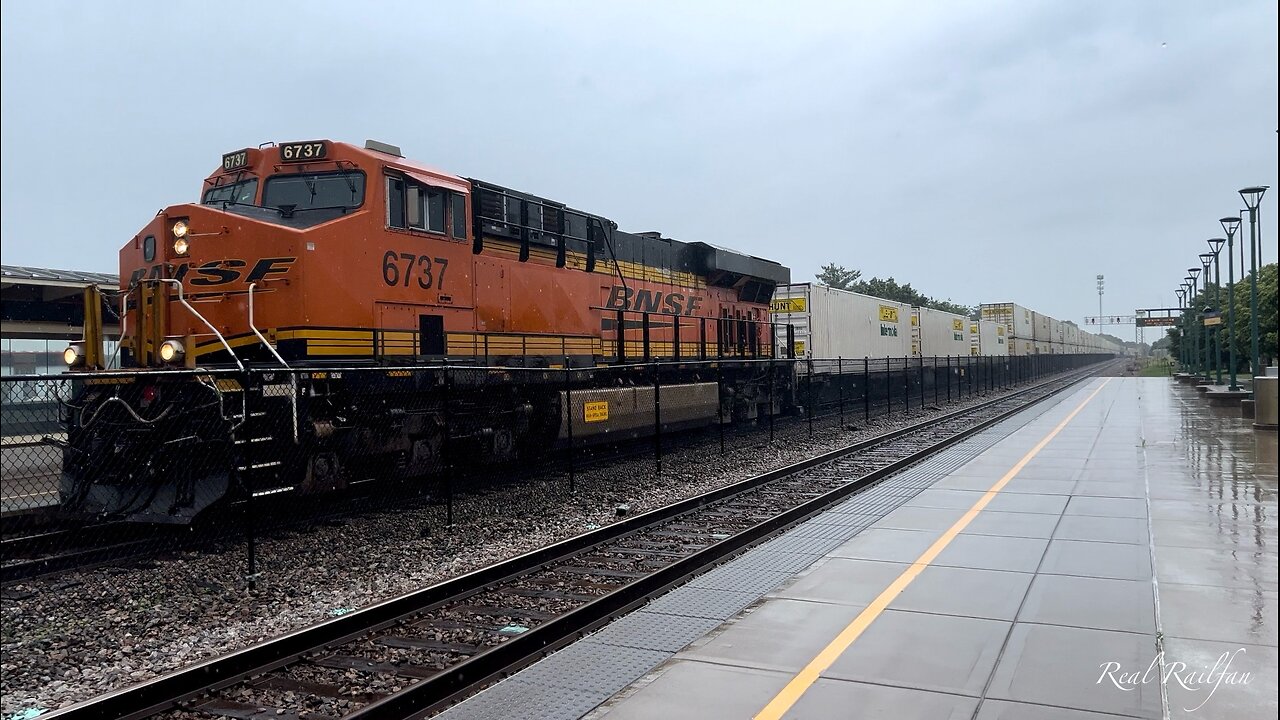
[(982, 151)]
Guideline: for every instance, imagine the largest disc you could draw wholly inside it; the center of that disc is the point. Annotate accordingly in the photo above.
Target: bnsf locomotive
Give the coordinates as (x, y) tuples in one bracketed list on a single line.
[(283, 320)]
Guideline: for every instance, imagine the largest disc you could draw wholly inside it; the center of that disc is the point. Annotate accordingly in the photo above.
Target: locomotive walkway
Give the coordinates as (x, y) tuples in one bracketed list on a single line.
[(1056, 565)]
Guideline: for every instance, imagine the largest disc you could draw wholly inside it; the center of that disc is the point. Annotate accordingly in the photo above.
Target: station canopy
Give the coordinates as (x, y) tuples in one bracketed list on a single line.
[(45, 304)]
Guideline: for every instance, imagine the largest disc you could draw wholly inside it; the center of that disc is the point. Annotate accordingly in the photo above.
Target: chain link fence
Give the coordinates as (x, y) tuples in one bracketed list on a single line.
[(112, 468)]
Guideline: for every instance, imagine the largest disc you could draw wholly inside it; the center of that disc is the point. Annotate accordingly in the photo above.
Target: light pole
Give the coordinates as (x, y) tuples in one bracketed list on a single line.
[(1187, 288), (1101, 283), (1252, 199), (1182, 319), (1193, 274), (1206, 261), (1230, 225), (1215, 244)]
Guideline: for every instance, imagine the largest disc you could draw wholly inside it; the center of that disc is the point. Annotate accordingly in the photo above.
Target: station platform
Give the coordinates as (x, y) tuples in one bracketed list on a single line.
[(1110, 553)]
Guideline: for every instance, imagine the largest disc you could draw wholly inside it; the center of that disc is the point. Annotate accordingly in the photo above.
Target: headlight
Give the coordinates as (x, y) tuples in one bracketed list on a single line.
[(180, 246), (180, 229), (73, 355), (171, 350)]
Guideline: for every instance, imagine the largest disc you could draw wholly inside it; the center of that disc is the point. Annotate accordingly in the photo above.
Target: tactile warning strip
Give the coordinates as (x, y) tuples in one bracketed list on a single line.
[(570, 683)]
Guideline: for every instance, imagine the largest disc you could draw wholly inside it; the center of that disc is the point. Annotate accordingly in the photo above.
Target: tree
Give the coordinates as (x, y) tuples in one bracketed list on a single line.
[(838, 276), (1267, 320), (842, 278)]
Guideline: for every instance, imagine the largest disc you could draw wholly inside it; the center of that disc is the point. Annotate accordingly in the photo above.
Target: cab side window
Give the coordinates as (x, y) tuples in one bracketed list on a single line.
[(395, 203), (458, 214), (416, 206)]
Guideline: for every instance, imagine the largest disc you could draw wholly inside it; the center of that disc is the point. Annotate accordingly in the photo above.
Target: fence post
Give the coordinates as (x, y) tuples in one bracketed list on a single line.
[(771, 400), (921, 374), (840, 387), (251, 541), (935, 380), (250, 520), (906, 385), (657, 419), (720, 402), (446, 452), (866, 389), (888, 386), (568, 415), (949, 378), (809, 383)]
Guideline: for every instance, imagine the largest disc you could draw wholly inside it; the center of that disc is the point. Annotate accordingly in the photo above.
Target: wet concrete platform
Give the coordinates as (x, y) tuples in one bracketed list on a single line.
[(1111, 555)]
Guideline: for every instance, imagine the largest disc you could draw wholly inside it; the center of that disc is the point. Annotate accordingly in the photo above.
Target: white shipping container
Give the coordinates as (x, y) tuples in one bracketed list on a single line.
[(1071, 333), (992, 339), (1015, 318), (1041, 330), (830, 323), (1056, 332), (939, 333), (1021, 346)]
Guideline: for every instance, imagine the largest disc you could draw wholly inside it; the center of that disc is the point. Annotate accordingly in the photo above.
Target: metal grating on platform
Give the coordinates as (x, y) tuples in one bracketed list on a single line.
[(646, 630), (715, 604), (787, 562), (573, 681), (519, 699)]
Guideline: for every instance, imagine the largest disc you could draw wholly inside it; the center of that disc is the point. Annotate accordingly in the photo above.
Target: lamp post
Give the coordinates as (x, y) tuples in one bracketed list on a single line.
[(1187, 288), (1230, 225), (1206, 261), (1252, 199), (1182, 345), (1215, 244), (1193, 274), (1101, 284)]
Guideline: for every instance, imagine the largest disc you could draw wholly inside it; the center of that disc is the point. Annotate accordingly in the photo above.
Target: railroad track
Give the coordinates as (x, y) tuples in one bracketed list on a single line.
[(418, 653), (52, 545)]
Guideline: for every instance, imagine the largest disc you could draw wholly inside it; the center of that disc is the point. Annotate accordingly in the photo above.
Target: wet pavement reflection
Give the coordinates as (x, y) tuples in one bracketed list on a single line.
[(1213, 497)]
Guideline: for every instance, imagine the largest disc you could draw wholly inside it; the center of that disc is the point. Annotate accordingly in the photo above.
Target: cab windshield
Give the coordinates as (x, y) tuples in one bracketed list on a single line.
[(238, 192), (310, 191)]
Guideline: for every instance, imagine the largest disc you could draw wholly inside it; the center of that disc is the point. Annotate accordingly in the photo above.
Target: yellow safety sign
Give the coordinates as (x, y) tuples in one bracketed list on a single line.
[(888, 313), (597, 411)]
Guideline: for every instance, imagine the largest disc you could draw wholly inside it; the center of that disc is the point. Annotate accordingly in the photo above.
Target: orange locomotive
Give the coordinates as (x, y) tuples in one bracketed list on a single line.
[(310, 268)]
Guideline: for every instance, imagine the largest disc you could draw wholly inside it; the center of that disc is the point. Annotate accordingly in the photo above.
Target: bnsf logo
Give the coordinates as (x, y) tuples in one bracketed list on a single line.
[(673, 303), (216, 272)]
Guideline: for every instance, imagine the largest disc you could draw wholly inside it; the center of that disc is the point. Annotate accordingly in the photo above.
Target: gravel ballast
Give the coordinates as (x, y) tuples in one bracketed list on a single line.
[(68, 638)]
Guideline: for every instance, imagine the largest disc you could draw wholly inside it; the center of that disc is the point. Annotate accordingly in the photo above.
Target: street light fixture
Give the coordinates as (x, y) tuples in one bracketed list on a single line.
[(1182, 345), (1229, 226), (1187, 284), (1252, 199), (1206, 261), (1193, 275), (1215, 244)]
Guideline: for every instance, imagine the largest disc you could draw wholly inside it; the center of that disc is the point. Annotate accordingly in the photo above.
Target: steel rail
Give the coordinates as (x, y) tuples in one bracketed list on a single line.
[(173, 689)]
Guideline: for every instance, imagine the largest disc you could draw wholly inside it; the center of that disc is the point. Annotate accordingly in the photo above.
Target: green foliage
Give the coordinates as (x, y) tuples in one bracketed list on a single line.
[(841, 278), (838, 276), (1267, 318)]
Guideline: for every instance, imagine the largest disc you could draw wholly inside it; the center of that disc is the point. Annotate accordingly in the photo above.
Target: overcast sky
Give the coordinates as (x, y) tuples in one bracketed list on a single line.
[(983, 151)]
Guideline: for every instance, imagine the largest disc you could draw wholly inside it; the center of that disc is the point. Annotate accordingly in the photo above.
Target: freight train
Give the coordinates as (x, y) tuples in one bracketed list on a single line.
[(275, 334), (321, 269)]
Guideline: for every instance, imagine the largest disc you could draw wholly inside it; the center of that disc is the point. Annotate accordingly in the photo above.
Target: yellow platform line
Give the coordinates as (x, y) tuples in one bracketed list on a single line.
[(789, 695)]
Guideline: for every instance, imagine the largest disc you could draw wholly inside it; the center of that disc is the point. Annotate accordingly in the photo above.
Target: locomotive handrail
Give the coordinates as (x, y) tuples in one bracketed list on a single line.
[(255, 330), (183, 299), (124, 326), (293, 377)]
